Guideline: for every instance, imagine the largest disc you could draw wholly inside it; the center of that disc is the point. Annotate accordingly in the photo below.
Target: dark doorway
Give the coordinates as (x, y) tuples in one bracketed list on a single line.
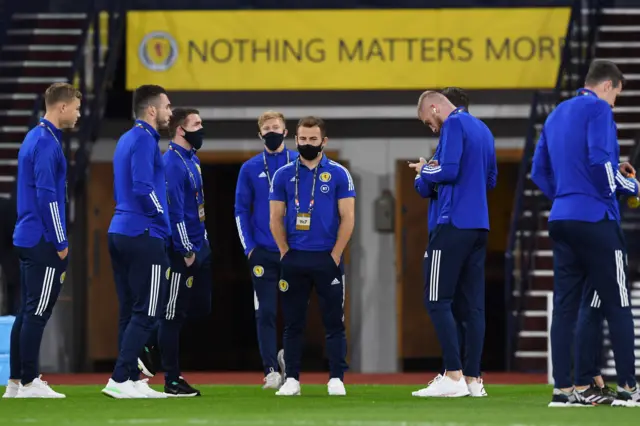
[(226, 340)]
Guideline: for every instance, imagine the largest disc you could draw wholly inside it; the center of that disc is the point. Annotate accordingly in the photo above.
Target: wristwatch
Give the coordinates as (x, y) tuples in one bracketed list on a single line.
[(189, 255)]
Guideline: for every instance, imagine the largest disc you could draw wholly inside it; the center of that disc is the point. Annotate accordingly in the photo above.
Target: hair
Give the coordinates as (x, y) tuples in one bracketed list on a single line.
[(456, 96), (311, 121), (430, 94), (143, 96), (602, 70), (270, 115), (178, 118), (61, 92)]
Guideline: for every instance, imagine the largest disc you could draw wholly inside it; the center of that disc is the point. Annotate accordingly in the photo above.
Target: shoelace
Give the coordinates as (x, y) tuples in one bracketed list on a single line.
[(435, 379), (42, 381), (271, 370)]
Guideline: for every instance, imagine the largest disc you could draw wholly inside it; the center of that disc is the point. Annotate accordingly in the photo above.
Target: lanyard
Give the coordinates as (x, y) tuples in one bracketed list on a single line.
[(193, 179), (313, 188), (50, 131), (266, 167)]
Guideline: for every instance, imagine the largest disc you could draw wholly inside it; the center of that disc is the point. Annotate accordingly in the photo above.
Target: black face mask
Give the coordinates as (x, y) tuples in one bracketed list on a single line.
[(273, 140), (309, 152), (194, 138)]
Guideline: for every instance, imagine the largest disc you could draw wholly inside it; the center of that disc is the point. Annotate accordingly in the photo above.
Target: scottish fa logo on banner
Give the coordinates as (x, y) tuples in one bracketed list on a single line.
[(158, 51)]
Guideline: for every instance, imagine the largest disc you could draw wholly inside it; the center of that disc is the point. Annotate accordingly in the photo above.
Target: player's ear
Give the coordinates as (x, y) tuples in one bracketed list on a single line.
[(285, 133), (324, 141)]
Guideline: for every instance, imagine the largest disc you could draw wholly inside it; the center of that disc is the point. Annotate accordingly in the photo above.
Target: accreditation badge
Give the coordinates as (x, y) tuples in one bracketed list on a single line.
[(201, 212), (303, 222)]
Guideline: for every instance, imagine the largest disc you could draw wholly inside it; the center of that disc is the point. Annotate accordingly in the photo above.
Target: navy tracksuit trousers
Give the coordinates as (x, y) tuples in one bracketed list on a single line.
[(590, 324), (141, 272), (189, 296), (42, 274), (592, 253), (302, 270), (454, 269), (265, 274)]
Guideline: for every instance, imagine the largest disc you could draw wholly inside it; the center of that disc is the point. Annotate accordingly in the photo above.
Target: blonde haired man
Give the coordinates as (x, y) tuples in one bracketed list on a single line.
[(252, 221)]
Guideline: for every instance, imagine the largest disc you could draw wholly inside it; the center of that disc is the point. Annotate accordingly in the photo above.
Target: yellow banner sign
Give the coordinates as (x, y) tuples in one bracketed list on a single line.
[(346, 49)]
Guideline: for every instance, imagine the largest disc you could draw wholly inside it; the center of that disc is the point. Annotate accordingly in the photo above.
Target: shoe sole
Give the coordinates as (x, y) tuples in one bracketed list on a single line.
[(622, 403), (143, 369), (566, 405), (40, 397), (114, 395), (183, 395), (160, 395), (458, 395)]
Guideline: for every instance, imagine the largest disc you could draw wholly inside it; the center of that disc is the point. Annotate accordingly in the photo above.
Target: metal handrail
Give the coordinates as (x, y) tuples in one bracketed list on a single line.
[(102, 77), (519, 199)]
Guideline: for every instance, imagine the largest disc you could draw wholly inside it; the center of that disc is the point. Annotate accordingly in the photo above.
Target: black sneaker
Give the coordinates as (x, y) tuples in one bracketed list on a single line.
[(574, 399), (146, 361), (599, 396), (607, 391), (180, 389)]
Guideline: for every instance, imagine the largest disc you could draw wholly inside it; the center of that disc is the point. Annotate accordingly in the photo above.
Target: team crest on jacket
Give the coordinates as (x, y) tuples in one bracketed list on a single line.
[(168, 273), (325, 177), (189, 282), (258, 271), (63, 276), (283, 285)]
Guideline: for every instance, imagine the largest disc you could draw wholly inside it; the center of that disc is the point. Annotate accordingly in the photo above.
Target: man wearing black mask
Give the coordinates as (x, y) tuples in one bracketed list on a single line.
[(252, 221), (312, 215), (189, 253)]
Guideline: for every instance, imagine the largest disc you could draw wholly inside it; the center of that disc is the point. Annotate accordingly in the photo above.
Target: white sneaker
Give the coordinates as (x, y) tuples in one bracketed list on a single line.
[(291, 387), (283, 366), (143, 387), (335, 387), (628, 398), (444, 387), (38, 389), (124, 390), (273, 380), (12, 390), (476, 389), (421, 391)]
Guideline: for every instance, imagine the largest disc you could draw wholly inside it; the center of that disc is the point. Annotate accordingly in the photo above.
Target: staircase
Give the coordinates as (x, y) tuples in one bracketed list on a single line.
[(38, 50), (595, 32)]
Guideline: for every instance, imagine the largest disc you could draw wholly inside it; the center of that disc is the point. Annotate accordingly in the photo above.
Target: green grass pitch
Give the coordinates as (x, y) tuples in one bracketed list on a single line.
[(521, 405)]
